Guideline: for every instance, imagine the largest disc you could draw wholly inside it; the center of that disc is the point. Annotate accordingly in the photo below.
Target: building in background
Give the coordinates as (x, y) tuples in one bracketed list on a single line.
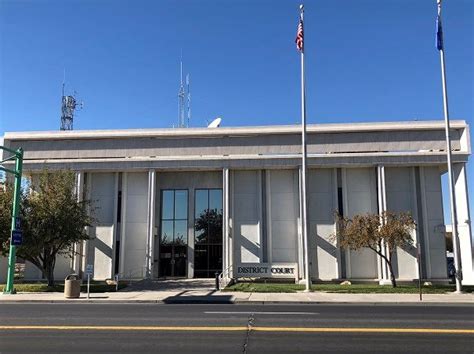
[(193, 202)]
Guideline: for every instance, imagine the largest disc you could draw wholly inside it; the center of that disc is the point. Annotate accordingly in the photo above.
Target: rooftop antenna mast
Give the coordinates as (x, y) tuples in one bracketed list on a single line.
[(184, 99), (181, 98), (68, 106), (188, 96)]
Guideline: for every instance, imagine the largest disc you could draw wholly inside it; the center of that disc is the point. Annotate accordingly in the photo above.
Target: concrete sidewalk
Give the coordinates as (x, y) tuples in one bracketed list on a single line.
[(219, 297)]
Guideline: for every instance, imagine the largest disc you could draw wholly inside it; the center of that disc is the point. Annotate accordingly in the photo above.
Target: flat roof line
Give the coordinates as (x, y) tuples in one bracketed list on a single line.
[(233, 131)]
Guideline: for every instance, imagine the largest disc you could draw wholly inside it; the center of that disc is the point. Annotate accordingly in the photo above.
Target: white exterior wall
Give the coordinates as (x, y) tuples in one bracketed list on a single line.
[(322, 202), (282, 213), (399, 184), (32, 272), (265, 152), (100, 248), (247, 216), (359, 189), (62, 268), (435, 243), (134, 225)]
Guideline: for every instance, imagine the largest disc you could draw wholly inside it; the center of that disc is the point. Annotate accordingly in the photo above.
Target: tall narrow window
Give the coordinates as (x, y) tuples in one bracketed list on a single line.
[(207, 232), (173, 234)]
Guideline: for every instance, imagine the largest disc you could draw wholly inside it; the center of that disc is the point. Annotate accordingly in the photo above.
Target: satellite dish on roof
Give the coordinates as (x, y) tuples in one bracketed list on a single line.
[(215, 123)]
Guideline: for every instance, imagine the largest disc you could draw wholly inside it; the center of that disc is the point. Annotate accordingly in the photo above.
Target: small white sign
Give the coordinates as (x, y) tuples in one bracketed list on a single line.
[(266, 270), (90, 269)]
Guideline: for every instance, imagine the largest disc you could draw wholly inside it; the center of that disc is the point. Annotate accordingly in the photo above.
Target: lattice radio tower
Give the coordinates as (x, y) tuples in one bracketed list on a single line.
[(68, 106), (184, 100)]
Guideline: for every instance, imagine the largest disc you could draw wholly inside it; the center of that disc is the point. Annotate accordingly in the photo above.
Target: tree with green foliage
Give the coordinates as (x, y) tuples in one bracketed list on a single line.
[(6, 205), (53, 220), (378, 233)]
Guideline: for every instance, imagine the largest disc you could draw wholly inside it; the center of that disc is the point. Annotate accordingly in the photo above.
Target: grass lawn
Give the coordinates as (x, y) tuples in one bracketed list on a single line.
[(39, 287), (348, 289)]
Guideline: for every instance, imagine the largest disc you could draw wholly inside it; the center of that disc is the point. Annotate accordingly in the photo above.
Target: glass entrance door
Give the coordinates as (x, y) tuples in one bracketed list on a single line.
[(173, 233), (207, 233)]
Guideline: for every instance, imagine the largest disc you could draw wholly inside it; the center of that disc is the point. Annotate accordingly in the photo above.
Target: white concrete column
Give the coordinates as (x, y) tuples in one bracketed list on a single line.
[(77, 255), (115, 223), (260, 215), (268, 216), (151, 224), (225, 225), (335, 198), (464, 222), (123, 224), (424, 216), (191, 226), (231, 209), (301, 253), (345, 207), (85, 244), (383, 271), (418, 231)]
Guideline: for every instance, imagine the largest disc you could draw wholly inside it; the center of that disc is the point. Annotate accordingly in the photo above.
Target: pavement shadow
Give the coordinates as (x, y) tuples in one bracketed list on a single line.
[(199, 299), (84, 297), (171, 285), (185, 297)]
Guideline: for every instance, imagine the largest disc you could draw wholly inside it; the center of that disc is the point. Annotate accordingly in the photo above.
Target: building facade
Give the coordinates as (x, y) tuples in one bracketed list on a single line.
[(193, 202)]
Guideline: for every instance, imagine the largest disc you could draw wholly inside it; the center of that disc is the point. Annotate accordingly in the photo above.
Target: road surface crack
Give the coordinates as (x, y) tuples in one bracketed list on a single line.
[(250, 323)]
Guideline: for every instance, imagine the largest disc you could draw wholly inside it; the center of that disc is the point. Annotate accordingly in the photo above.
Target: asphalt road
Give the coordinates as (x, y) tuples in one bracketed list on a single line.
[(236, 328)]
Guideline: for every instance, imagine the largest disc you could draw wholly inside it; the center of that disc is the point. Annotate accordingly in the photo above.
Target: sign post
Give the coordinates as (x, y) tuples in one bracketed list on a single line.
[(418, 257), (89, 272), (16, 235)]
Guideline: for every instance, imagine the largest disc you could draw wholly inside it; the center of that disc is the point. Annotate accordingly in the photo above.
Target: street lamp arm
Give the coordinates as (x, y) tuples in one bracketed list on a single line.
[(8, 170), (16, 152), (8, 159)]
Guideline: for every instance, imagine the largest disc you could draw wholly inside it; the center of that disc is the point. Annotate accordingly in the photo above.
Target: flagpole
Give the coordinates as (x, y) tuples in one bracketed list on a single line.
[(452, 195), (304, 219)]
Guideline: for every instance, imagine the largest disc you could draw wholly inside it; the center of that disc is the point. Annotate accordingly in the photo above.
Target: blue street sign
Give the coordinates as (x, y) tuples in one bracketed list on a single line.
[(17, 223), (17, 238), (90, 269)]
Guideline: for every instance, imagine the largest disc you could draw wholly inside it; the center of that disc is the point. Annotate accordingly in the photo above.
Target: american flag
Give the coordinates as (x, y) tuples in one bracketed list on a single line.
[(300, 37)]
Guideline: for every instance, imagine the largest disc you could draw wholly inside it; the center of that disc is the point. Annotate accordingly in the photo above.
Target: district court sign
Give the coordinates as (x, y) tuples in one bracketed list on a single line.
[(266, 270)]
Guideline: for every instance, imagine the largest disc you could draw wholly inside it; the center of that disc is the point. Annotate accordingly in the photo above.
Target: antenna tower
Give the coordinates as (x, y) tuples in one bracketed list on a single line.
[(188, 87), (184, 100), (68, 106)]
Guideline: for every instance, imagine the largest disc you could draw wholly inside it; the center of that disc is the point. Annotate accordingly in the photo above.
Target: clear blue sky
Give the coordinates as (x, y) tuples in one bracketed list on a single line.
[(367, 60)]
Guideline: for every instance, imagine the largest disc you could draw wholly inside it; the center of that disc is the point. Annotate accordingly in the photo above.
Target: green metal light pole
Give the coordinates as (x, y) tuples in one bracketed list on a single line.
[(18, 155)]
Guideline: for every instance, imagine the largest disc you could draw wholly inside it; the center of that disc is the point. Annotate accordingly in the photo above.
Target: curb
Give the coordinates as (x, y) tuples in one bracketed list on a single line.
[(372, 303), (234, 302), (90, 301)]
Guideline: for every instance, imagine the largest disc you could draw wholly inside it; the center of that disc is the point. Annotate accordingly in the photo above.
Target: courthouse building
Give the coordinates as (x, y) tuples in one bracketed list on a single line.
[(193, 202)]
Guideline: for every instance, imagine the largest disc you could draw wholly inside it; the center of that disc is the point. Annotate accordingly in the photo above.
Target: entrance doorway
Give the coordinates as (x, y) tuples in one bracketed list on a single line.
[(207, 232), (173, 233)]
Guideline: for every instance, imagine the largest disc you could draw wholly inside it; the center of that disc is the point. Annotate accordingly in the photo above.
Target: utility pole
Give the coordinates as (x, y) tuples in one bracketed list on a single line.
[(17, 172)]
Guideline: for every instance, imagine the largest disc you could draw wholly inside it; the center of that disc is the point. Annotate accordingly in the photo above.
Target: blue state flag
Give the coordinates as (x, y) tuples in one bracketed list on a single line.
[(439, 34)]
